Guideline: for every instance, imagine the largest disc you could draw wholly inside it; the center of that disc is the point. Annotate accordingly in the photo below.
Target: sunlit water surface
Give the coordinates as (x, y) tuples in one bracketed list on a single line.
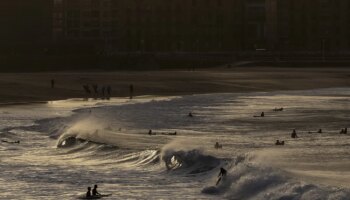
[(66, 146)]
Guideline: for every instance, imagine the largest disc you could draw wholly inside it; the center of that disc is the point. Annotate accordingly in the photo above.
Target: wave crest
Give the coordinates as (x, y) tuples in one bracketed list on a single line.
[(193, 161)]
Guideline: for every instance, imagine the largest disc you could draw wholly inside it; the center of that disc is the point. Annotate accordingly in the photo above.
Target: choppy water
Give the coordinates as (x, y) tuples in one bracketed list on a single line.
[(67, 146)]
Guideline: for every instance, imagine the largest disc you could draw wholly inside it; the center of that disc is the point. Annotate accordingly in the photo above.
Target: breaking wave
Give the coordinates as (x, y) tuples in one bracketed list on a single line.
[(248, 179)]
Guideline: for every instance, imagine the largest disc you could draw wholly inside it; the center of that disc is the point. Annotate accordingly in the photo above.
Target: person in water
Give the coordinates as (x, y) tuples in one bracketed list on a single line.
[(262, 114), (15, 142), (94, 191), (294, 134), (218, 146), (88, 193), (222, 174), (278, 142), (190, 114)]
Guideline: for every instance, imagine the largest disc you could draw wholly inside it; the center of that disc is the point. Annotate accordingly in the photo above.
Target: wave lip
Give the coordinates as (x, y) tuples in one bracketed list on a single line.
[(193, 161)]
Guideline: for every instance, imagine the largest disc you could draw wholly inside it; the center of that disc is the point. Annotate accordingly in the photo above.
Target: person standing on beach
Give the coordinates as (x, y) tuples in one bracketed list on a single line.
[(109, 91), (131, 91), (52, 83)]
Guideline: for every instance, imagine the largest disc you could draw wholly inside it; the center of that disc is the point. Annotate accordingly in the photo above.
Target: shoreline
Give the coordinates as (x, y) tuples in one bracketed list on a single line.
[(5, 104), (23, 88)]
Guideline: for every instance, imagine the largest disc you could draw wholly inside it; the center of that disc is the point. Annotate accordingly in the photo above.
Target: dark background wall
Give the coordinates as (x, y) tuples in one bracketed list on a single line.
[(143, 34)]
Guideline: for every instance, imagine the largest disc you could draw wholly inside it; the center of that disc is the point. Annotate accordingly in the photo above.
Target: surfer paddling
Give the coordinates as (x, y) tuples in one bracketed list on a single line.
[(93, 194), (11, 142), (94, 191), (222, 174), (88, 193)]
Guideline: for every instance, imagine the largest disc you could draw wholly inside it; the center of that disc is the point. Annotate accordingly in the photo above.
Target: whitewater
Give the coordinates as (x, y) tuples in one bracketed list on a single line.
[(66, 146)]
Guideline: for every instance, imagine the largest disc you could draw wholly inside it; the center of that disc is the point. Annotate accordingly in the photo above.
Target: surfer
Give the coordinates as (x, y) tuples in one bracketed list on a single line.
[(319, 131), (190, 114), (294, 134), (222, 174), (217, 145), (262, 114), (94, 191), (15, 142), (278, 142), (88, 193)]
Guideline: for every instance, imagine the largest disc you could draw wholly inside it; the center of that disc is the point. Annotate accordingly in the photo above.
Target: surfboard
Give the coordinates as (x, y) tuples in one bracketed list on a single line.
[(95, 197)]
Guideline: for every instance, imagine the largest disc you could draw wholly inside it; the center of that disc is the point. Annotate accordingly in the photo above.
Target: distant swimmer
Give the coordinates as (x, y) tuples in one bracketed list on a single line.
[(344, 131), (190, 114), (150, 132), (174, 133), (94, 191), (294, 134), (217, 145), (11, 142), (319, 131), (222, 174), (261, 115), (88, 193), (278, 109), (279, 142)]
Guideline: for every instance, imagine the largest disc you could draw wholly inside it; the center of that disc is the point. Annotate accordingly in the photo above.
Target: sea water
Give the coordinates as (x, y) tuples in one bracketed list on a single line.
[(67, 146)]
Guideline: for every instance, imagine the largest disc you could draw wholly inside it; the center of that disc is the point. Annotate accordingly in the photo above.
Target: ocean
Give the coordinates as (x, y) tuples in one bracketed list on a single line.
[(69, 145)]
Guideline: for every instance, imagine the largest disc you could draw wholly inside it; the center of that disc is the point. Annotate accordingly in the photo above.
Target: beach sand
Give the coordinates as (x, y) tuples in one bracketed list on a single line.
[(32, 87)]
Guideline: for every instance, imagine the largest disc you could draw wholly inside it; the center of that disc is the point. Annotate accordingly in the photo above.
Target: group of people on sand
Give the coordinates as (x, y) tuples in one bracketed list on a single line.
[(103, 92)]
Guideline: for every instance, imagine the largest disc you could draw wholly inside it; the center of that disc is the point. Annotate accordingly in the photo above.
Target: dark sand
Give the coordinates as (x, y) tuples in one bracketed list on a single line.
[(32, 87)]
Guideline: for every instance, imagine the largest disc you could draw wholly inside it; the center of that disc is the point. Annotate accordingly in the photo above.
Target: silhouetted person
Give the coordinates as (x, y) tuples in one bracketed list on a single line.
[(52, 83), (217, 145), (103, 91), (95, 87), (15, 142), (319, 131), (109, 90), (222, 173), (346, 131), (131, 91), (87, 89), (190, 114), (294, 134), (150, 132), (88, 193), (279, 142), (94, 191), (262, 114)]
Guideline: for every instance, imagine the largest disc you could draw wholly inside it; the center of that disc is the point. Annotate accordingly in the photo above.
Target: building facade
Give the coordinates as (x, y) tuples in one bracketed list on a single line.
[(25, 24), (162, 26), (178, 25), (317, 25)]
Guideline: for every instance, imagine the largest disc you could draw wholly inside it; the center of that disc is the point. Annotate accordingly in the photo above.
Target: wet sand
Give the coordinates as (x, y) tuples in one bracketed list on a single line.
[(35, 87)]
